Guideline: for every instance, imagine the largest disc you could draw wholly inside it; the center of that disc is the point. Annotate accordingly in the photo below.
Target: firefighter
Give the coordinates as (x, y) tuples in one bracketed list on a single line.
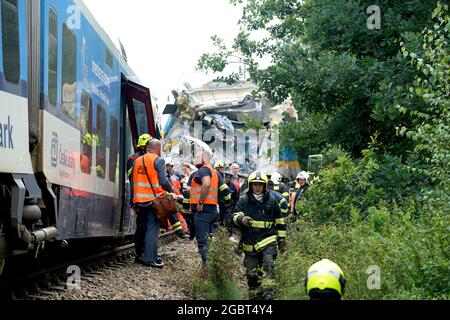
[(176, 220), (88, 141), (302, 183), (325, 281), (204, 200), (189, 172), (278, 186), (139, 236), (142, 147), (149, 181), (263, 226), (225, 201)]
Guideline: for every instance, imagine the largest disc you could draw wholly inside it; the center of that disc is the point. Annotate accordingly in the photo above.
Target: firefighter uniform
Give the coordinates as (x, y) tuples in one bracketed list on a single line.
[(267, 228)]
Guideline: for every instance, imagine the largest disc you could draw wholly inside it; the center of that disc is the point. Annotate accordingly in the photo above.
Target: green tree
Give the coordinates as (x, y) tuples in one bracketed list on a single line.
[(431, 127), (323, 54)]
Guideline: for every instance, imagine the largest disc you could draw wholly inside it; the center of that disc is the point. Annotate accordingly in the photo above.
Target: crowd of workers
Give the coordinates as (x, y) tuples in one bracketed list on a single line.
[(258, 208)]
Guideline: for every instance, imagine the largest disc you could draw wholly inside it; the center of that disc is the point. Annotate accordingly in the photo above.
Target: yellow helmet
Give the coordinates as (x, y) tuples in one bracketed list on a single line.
[(219, 164), (87, 139), (325, 279), (258, 176), (143, 140)]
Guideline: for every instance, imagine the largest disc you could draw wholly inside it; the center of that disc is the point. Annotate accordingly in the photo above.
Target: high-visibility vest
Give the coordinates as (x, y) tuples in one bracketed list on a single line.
[(213, 193), (176, 185), (142, 187), (85, 164)]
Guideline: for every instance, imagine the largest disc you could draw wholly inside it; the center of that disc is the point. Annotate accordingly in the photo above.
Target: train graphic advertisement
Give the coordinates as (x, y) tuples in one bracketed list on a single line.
[(71, 112)]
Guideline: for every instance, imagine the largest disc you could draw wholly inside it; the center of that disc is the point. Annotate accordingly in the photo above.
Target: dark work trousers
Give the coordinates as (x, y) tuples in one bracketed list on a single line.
[(139, 236), (151, 235), (226, 219), (189, 217), (205, 224), (253, 262)]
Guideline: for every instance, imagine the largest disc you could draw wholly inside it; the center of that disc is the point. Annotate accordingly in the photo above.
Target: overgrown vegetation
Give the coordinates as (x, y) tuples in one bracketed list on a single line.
[(375, 103), (220, 279)]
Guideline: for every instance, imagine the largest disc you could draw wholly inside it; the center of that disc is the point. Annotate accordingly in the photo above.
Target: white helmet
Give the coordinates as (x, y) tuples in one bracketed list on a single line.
[(169, 161), (276, 177), (303, 175)]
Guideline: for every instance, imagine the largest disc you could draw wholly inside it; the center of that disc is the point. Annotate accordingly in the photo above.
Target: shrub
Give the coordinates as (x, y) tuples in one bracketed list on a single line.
[(222, 281)]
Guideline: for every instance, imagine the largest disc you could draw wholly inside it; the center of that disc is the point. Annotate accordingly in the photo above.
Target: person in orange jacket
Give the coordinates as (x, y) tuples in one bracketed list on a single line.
[(175, 221)]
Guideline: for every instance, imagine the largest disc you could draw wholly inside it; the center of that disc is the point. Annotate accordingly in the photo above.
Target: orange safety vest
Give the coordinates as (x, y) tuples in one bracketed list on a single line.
[(176, 186), (142, 187), (213, 193)]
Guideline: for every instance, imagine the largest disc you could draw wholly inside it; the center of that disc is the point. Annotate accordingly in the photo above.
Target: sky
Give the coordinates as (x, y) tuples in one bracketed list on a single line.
[(164, 39)]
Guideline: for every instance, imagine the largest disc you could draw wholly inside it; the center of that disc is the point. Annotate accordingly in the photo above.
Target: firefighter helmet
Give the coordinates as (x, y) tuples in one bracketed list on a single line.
[(89, 139), (258, 176), (325, 280), (144, 140), (303, 175), (219, 164)]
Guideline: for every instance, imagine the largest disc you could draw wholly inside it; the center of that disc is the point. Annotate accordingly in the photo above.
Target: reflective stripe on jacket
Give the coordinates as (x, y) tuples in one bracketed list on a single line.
[(142, 187), (268, 223), (213, 192)]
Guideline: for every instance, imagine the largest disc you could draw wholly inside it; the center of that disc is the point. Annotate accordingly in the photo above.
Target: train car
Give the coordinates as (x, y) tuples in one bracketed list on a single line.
[(71, 111)]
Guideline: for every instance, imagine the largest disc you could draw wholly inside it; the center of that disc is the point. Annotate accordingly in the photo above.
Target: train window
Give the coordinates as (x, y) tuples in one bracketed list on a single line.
[(86, 132), (69, 72), (114, 149), (109, 58), (52, 56), (101, 142), (141, 117), (10, 40)]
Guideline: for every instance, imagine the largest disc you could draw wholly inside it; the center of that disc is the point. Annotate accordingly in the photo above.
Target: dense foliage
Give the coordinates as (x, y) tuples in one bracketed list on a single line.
[(219, 279), (375, 103)]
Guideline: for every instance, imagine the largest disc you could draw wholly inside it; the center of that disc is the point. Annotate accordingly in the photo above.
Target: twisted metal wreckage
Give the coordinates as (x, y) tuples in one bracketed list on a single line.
[(215, 115)]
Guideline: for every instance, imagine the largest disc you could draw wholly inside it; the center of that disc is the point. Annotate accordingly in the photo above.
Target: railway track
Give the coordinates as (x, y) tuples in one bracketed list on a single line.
[(42, 284)]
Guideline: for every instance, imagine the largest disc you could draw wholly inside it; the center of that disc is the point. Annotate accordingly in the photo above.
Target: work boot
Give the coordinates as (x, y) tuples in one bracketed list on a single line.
[(156, 264), (181, 234)]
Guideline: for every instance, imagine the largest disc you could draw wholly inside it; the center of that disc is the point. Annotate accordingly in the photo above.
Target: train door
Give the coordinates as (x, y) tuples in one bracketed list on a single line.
[(137, 119)]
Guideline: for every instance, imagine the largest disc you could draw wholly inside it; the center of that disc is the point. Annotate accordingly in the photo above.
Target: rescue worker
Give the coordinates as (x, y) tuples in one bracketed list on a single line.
[(142, 147), (284, 210), (278, 186), (301, 179), (234, 196), (263, 226), (188, 171), (88, 141), (325, 281), (204, 200), (176, 220), (149, 181), (225, 201), (139, 236)]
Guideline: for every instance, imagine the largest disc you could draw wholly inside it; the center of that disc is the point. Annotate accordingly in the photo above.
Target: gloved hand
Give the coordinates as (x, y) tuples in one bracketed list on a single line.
[(247, 221)]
